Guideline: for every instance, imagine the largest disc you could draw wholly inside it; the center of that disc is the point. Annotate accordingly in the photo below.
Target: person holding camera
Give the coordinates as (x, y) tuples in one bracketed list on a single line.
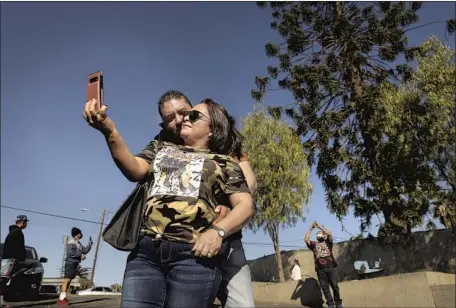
[(75, 253), (325, 264)]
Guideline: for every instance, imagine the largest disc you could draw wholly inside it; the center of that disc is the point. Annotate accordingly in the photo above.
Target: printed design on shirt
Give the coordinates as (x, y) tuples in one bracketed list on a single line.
[(177, 173), (322, 253)]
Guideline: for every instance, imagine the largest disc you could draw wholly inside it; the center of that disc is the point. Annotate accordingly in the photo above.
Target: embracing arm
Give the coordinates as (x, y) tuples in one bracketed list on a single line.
[(249, 176), (242, 211), (234, 187)]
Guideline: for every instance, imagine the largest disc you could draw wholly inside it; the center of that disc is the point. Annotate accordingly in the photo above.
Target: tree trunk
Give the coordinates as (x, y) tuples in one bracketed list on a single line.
[(274, 234)]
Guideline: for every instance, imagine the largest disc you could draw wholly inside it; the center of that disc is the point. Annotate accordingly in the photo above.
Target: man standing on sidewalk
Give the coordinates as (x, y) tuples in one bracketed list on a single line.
[(325, 264), (13, 255), (14, 246), (75, 254)]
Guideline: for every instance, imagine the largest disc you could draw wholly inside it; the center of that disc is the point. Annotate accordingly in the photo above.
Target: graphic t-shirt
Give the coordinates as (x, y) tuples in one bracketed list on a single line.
[(185, 187), (164, 135), (323, 255)]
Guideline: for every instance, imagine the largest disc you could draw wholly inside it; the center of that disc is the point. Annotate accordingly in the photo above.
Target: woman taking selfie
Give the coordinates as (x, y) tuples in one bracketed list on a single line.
[(178, 260)]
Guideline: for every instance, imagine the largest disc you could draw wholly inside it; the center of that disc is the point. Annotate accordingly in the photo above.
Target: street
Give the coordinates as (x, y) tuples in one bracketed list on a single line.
[(444, 296), (76, 301), (94, 301)]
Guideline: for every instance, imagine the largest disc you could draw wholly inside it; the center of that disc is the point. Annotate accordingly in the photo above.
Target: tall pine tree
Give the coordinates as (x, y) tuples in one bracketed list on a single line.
[(333, 58)]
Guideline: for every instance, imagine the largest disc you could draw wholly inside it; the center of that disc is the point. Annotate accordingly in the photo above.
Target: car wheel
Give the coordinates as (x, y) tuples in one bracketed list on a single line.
[(33, 294)]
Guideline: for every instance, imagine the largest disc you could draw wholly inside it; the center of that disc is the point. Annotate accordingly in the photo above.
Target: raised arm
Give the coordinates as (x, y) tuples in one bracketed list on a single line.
[(86, 249), (326, 231), (307, 236), (133, 168)]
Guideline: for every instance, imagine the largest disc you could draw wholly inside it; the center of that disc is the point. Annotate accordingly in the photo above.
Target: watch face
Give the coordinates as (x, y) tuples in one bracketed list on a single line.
[(219, 231)]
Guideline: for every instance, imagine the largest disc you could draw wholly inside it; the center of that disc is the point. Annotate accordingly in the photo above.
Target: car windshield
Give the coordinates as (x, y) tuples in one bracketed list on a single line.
[(30, 253)]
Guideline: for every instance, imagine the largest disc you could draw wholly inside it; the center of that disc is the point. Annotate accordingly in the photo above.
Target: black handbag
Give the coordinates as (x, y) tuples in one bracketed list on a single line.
[(123, 230)]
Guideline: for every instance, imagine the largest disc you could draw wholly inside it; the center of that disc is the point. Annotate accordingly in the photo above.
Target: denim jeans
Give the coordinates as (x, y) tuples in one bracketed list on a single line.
[(236, 286), (162, 273)]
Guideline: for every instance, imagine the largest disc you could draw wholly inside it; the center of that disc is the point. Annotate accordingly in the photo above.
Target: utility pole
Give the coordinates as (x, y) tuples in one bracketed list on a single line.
[(92, 274), (65, 241)]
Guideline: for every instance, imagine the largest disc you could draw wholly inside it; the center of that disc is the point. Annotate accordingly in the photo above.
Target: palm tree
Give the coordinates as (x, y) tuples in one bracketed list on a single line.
[(83, 275)]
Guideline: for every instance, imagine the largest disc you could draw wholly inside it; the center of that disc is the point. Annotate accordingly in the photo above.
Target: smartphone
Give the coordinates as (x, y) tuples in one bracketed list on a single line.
[(95, 87)]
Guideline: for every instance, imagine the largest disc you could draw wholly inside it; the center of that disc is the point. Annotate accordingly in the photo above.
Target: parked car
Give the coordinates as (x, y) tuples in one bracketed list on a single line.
[(49, 289), (98, 291), (27, 281)]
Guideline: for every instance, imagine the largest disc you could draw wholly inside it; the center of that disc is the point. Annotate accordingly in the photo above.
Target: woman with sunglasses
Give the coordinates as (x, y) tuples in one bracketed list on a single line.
[(178, 260)]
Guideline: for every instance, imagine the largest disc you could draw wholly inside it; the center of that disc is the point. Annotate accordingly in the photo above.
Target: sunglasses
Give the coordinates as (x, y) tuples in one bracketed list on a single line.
[(195, 115)]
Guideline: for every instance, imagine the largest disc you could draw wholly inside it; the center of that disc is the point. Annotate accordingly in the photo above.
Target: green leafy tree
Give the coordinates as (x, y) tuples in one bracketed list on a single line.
[(282, 173), (335, 58), (445, 209), (427, 109)]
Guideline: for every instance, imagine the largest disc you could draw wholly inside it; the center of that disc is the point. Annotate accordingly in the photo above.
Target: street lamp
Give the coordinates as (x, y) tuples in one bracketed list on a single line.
[(92, 273)]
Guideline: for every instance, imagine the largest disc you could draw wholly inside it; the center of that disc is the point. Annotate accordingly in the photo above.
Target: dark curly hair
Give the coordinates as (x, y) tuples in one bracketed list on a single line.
[(225, 139)]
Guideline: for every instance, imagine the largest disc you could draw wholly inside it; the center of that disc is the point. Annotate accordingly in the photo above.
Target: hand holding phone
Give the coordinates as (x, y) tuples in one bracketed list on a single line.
[(90, 240), (95, 109), (95, 88)]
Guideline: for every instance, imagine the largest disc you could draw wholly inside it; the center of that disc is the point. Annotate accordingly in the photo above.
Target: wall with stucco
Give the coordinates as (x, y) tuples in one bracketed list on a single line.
[(424, 251), (407, 290)]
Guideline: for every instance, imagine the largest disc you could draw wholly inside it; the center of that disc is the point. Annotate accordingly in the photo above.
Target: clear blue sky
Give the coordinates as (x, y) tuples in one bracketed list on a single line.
[(51, 161)]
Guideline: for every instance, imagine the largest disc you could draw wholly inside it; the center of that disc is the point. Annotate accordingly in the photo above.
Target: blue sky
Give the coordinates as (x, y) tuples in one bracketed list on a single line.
[(51, 161)]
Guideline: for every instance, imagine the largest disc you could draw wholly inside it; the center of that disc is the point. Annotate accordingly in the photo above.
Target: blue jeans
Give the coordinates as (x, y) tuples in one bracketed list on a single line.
[(236, 287), (161, 273)]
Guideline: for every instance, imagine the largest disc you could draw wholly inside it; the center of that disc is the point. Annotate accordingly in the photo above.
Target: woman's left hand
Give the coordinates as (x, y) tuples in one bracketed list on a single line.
[(208, 244)]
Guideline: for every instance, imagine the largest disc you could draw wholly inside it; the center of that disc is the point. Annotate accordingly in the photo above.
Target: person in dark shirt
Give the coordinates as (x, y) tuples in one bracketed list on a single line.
[(14, 246), (13, 256), (325, 263)]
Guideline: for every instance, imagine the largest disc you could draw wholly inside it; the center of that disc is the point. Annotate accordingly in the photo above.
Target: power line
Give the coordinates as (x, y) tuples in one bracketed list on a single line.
[(98, 223), (51, 215), (269, 244)]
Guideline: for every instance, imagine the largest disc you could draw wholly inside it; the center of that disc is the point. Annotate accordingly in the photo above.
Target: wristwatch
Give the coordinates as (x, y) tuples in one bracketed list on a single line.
[(219, 231)]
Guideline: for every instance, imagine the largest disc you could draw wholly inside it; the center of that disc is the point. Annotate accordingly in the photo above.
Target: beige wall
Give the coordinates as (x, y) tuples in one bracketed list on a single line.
[(408, 290), (426, 251)]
